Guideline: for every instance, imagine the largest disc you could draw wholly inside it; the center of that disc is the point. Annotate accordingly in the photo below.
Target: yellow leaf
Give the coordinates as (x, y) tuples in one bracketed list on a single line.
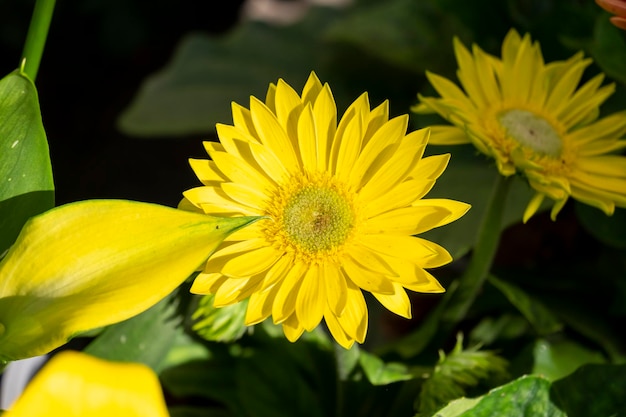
[(93, 263)]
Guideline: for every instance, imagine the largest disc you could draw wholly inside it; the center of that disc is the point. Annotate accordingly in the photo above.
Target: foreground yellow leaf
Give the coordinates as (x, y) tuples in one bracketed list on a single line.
[(90, 264), (74, 384)]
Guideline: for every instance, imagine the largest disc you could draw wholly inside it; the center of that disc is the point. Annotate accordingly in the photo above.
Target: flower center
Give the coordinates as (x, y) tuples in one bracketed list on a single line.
[(532, 131), (317, 218)]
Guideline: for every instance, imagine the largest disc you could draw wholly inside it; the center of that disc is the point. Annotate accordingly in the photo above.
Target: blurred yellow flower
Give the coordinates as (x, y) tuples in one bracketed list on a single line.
[(342, 200), (532, 119), (74, 384)]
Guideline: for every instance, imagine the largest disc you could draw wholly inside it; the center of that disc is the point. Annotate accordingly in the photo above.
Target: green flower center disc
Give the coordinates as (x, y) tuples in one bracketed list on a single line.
[(318, 219), (532, 131)]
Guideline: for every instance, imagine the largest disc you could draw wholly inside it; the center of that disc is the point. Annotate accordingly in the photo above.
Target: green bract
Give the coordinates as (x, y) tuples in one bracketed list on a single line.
[(93, 263)]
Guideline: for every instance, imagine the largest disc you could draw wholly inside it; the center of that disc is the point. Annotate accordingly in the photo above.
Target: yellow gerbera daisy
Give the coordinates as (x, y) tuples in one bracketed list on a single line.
[(531, 118), (342, 203)]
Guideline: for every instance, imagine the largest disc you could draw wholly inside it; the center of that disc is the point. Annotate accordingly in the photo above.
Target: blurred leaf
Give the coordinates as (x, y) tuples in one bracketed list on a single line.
[(404, 33), (347, 360), (145, 338), (224, 324), (184, 349), (195, 90), (554, 360), (527, 396), (593, 390), (264, 378), (27, 188), (543, 320), (214, 379), (381, 373), (505, 326), (610, 230), (469, 177), (608, 48)]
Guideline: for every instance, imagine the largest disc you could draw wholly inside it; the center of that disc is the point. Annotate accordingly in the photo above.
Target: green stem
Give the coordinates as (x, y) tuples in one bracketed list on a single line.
[(36, 37), (485, 249)]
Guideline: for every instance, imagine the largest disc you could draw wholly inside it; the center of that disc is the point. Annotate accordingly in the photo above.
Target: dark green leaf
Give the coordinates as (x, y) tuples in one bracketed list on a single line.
[(145, 338), (25, 171), (542, 319), (405, 33), (206, 74), (554, 360), (593, 390), (189, 411), (213, 380), (607, 229), (609, 49)]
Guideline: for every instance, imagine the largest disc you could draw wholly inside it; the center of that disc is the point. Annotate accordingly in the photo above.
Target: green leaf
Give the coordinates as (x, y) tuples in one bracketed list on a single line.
[(195, 90), (607, 229), (347, 360), (469, 177), (593, 390), (457, 371), (26, 186), (225, 324), (527, 396), (608, 48), (90, 264), (145, 338), (381, 373), (404, 33), (554, 360), (542, 319), (213, 379)]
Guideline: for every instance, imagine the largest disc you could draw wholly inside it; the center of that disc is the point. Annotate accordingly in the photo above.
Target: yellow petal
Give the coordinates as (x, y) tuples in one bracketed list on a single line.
[(292, 328), (74, 384), (311, 301), (207, 172), (93, 263), (338, 333), (285, 301), (447, 135), (260, 305), (389, 134), (336, 287), (325, 111), (307, 139), (251, 263), (273, 135), (366, 279), (288, 108), (395, 170), (207, 283), (354, 318), (398, 302)]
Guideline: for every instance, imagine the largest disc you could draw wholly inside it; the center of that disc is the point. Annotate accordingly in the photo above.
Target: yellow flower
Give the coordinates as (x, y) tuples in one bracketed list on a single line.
[(342, 202), (74, 384), (531, 118)]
